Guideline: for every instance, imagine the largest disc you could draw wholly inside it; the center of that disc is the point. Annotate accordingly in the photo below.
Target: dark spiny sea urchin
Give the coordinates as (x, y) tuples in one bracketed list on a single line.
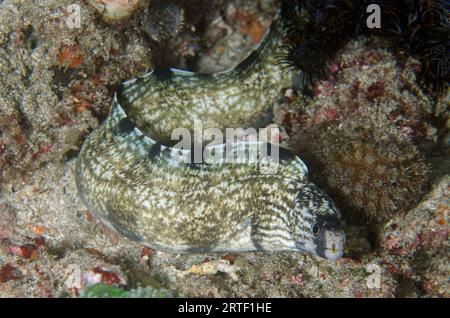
[(317, 29)]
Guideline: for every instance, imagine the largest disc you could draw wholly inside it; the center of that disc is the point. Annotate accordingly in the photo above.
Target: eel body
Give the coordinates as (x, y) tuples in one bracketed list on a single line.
[(130, 176)]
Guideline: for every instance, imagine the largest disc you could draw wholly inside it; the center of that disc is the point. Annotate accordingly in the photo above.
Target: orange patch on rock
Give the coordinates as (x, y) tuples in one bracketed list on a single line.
[(252, 27), (7, 273), (231, 257), (39, 230), (28, 251), (71, 56)]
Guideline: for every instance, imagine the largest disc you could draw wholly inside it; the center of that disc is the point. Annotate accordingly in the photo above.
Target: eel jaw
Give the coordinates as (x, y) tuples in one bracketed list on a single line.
[(330, 246)]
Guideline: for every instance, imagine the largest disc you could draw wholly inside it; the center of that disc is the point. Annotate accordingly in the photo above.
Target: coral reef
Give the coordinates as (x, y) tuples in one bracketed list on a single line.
[(364, 131), (164, 20), (185, 27), (375, 177), (56, 80), (115, 10), (319, 29), (417, 245), (56, 86)]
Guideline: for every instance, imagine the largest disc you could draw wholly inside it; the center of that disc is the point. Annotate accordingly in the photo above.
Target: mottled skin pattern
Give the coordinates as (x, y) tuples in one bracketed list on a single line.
[(128, 176), (166, 99)]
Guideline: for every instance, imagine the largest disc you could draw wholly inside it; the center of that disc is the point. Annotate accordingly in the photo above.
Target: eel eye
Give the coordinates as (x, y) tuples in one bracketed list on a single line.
[(316, 230)]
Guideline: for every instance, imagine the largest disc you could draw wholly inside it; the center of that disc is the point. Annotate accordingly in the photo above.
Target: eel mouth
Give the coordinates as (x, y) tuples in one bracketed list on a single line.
[(332, 246), (332, 253)]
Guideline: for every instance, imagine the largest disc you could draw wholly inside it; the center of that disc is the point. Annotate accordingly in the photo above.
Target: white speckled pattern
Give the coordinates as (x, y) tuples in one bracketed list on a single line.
[(132, 180)]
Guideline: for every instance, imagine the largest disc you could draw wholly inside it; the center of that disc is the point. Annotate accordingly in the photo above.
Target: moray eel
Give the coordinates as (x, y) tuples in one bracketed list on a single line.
[(129, 175)]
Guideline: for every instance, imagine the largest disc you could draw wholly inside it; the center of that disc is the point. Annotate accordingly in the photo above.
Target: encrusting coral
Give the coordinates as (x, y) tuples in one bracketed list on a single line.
[(48, 81), (364, 130), (373, 174), (164, 20), (319, 29)]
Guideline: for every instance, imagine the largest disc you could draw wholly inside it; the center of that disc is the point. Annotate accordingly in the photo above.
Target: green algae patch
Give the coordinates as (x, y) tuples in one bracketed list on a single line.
[(106, 291)]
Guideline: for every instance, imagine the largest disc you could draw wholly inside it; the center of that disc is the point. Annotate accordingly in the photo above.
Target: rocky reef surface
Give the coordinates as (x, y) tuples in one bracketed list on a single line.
[(370, 135)]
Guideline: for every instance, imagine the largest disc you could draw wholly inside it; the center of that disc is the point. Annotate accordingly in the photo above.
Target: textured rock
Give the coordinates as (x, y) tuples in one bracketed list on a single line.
[(56, 87)]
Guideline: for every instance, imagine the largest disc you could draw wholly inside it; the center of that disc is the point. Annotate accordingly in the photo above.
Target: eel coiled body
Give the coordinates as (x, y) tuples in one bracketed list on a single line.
[(131, 178)]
